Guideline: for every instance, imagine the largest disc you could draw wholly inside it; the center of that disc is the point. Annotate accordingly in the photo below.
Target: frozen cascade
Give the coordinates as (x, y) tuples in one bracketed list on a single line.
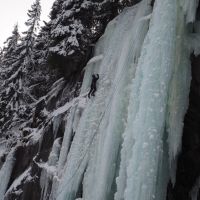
[(49, 170), (118, 64), (123, 144), (66, 140), (6, 171), (56, 123), (105, 160), (143, 94), (146, 173)]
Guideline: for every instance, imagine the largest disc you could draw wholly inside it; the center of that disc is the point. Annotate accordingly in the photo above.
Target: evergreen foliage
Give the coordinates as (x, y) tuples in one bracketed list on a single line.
[(18, 64), (9, 51), (41, 47), (77, 24), (65, 42)]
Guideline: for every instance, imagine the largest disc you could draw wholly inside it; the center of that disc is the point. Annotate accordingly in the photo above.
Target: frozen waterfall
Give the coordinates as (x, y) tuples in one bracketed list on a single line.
[(123, 143), (127, 138)]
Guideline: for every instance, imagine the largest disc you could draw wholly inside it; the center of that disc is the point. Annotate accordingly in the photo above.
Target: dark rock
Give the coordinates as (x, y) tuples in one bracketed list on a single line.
[(29, 188), (46, 143), (37, 113), (152, 3), (24, 156)]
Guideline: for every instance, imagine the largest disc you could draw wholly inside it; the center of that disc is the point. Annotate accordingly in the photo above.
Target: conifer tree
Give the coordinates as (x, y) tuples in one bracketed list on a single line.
[(73, 28), (15, 100), (27, 41), (1, 57), (1, 68), (76, 25), (41, 47), (9, 51), (56, 9), (44, 75)]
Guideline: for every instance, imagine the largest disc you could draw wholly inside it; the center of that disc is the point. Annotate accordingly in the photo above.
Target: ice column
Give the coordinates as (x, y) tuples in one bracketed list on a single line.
[(132, 128), (189, 8), (104, 163), (120, 49), (49, 170), (144, 154), (179, 92)]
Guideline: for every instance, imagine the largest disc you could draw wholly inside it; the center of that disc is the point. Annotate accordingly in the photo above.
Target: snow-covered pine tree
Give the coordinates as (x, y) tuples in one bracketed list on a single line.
[(9, 52), (16, 97), (73, 27), (43, 75), (1, 56), (9, 49), (1, 68), (56, 9), (8, 57), (28, 40), (76, 26), (43, 39), (41, 47)]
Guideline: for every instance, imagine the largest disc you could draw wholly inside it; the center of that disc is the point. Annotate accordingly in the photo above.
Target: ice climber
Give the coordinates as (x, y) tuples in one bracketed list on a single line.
[(93, 86)]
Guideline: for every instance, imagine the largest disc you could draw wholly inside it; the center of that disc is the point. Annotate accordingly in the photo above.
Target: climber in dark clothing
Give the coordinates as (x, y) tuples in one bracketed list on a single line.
[(93, 86)]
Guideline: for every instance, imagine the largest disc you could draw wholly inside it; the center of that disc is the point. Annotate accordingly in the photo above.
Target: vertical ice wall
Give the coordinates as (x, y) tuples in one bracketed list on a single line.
[(132, 128), (104, 164), (123, 143), (97, 142), (146, 171), (166, 126)]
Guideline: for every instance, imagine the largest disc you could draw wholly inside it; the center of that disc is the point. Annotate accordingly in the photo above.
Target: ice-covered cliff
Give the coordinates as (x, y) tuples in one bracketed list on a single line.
[(122, 144)]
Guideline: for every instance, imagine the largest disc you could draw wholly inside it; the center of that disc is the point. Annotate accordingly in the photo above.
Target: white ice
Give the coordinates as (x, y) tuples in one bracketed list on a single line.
[(121, 143)]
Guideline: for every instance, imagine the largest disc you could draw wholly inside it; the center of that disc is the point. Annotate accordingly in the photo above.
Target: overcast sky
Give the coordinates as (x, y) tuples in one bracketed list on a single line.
[(13, 11)]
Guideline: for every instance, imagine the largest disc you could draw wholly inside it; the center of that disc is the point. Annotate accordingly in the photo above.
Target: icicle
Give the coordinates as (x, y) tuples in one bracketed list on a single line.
[(70, 130), (54, 155), (193, 40), (49, 170), (189, 7), (66, 140), (179, 93), (140, 28), (195, 190), (56, 124)]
